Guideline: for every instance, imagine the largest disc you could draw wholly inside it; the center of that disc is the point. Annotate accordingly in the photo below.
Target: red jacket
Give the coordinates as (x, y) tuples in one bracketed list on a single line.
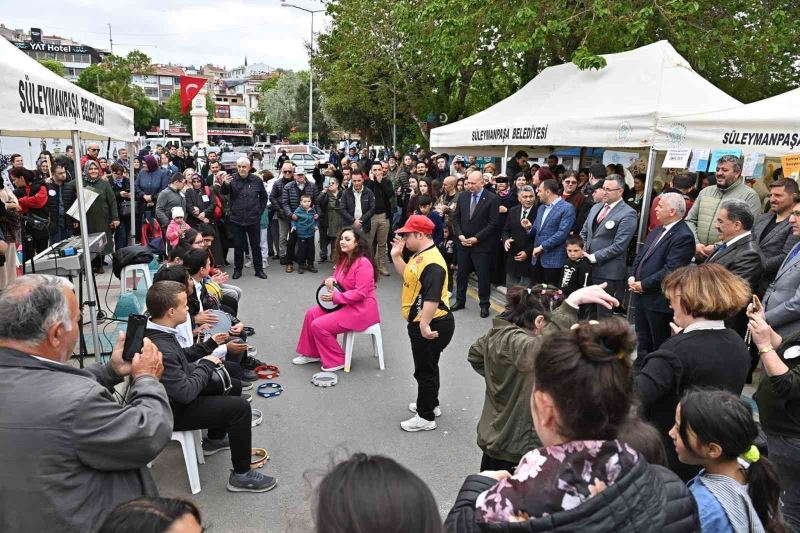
[(36, 201)]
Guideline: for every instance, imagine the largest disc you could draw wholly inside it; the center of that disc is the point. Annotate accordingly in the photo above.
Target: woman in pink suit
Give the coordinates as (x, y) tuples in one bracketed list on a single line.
[(355, 272)]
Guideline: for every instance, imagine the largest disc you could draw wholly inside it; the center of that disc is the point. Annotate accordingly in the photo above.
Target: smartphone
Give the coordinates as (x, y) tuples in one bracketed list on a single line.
[(134, 336), (756, 304)]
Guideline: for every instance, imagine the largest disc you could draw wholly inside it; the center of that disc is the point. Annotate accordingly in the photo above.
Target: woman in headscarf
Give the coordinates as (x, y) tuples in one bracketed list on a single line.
[(150, 181), (102, 215)]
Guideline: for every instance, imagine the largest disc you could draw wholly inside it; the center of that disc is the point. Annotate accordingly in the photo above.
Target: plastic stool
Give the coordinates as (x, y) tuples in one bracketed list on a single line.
[(142, 269), (377, 345), (192, 445)]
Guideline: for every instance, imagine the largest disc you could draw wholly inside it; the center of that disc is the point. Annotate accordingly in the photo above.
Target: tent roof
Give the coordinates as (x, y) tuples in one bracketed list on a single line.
[(616, 106), (770, 126), (39, 103)]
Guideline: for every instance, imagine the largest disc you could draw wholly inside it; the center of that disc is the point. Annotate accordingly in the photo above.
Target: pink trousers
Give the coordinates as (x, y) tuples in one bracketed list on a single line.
[(318, 337)]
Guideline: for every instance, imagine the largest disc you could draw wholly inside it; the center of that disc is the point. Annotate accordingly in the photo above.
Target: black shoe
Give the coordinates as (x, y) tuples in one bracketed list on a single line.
[(249, 375), (237, 274), (484, 312), (261, 274), (458, 306), (250, 363), (250, 332), (312, 268)]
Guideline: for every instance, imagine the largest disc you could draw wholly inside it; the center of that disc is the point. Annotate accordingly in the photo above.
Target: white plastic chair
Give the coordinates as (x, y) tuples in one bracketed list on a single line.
[(192, 445), (377, 345), (142, 270)]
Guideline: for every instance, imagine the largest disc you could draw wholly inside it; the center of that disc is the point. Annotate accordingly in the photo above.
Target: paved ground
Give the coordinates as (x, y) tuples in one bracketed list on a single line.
[(308, 427)]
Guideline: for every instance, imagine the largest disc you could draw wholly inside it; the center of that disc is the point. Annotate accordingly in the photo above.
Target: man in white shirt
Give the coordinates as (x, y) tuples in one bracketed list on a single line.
[(359, 205)]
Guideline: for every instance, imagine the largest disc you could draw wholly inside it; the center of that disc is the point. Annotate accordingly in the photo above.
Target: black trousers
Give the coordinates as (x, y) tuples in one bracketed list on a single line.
[(221, 415), (548, 276), (479, 262), (616, 288), (241, 234), (224, 241), (490, 463), (426, 362), (304, 252), (652, 329)]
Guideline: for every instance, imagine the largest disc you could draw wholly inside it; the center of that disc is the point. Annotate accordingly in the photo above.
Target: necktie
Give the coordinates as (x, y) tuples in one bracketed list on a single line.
[(721, 248), (524, 214), (472, 204), (603, 213), (792, 254)]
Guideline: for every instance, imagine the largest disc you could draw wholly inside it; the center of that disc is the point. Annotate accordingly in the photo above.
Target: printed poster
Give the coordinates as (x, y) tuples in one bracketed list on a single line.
[(89, 196), (716, 154), (677, 158), (753, 165), (700, 158), (791, 166), (626, 159)]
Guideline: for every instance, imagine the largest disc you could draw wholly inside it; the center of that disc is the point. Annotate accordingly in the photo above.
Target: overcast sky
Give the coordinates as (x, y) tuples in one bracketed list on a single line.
[(220, 32)]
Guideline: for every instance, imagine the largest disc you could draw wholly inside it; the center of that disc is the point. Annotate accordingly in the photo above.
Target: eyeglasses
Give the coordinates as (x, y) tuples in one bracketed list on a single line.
[(612, 190), (795, 214), (94, 149), (570, 182), (288, 172)]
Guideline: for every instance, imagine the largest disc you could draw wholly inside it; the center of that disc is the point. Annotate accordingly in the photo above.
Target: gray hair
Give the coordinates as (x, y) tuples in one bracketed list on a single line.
[(673, 200), (739, 211), (33, 304), (734, 160), (526, 188), (242, 160), (617, 178)]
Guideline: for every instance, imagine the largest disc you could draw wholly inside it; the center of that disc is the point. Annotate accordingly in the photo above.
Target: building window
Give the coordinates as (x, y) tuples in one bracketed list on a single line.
[(165, 80), (166, 93), (151, 91)]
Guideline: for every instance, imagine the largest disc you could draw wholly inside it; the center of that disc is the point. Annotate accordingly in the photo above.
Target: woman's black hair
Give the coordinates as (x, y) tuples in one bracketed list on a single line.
[(524, 304), (373, 493), (587, 372), (148, 515), (719, 417), (189, 236)]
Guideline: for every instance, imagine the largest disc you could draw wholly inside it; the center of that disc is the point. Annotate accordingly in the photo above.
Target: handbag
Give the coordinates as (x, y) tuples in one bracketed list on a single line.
[(125, 208)]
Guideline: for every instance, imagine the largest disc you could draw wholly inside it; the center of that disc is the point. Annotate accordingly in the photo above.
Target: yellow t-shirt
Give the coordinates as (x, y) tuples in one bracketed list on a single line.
[(424, 280)]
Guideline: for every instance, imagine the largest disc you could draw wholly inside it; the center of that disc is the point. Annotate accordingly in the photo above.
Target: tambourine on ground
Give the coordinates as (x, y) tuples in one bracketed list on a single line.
[(323, 289)]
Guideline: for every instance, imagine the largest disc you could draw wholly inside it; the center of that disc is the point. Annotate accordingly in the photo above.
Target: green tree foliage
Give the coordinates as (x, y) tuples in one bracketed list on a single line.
[(283, 106), (446, 59), (173, 110), (54, 66), (112, 80)]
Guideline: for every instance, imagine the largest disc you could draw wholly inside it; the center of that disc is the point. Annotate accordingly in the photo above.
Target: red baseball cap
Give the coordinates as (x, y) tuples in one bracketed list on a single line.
[(417, 224)]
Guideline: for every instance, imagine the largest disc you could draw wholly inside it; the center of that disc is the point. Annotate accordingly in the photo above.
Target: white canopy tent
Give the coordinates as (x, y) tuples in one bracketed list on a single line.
[(35, 102), (770, 126)]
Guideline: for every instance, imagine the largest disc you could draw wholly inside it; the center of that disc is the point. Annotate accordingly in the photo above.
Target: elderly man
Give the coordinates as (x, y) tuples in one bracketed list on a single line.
[(607, 232), (248, 199), (669, 246), (702, 216), (782, 300), (92, 153), (275, 201), (72, 454), (773, 230)]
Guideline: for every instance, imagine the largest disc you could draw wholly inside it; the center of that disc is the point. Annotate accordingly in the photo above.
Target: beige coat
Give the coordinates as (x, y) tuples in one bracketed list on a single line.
[(8, 273)]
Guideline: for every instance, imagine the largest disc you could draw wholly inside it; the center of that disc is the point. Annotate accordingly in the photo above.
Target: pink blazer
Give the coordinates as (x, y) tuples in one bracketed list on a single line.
[(360, 309)]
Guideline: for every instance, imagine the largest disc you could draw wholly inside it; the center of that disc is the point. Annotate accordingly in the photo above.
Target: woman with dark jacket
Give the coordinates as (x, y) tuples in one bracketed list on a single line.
[(583, 478), (200, 202), (704, 354), (31, 192), (330, 220), (121, 186), (150, 181)]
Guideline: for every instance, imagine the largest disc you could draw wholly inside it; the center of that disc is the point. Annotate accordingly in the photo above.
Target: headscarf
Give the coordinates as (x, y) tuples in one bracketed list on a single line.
[(150, 162), (86, 169)]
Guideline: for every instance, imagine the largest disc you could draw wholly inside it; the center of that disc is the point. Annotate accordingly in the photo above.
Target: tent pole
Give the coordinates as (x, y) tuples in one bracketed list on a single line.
[(132, 199), (503, 162), (87, 256), (644, 219)]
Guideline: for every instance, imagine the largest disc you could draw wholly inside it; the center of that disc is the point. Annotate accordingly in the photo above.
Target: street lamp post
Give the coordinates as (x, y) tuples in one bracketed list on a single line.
[(310, 69)]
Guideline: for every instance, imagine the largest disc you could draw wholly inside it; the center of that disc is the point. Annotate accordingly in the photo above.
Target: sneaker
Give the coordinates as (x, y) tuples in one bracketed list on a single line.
[(437, 411), (247, 330), (212, 446), (416, 423), (332, 369), (251, 481), (248, 397), (249, 375), (246, 385), (303, 360), (251, 351), (248, 264)]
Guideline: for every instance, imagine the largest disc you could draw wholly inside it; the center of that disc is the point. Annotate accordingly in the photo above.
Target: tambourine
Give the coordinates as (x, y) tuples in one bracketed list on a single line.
[(223, 325), (328, 306)]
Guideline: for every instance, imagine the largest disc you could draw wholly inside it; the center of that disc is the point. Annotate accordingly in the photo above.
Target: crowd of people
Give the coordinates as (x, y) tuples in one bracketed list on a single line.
[(577, 402)]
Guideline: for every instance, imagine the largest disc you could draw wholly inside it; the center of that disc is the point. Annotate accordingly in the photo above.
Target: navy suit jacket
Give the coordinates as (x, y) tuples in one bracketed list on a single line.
[(675, 249), (552, 235)]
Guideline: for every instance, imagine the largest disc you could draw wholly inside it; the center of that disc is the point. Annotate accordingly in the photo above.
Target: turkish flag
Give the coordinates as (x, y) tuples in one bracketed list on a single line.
[(190, 86)]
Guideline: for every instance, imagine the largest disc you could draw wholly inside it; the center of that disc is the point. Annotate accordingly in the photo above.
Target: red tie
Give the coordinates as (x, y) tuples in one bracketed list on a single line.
[(603, 213)]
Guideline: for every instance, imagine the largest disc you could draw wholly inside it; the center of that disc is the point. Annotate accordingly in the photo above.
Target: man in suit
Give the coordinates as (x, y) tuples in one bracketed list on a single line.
[(517, 242), (553, 223), (608, 231), (474, 222), (669, 246), (738, 251), (773, 231), (358, 205), (782, 300)]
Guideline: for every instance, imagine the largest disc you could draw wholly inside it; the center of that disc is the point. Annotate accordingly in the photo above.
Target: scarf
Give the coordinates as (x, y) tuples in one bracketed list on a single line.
[(735, 500)]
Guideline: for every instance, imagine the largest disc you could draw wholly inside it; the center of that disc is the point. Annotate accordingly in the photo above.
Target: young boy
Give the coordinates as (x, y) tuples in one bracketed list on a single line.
[(425, 208), (448, 250), (303, 228), (577, 273)]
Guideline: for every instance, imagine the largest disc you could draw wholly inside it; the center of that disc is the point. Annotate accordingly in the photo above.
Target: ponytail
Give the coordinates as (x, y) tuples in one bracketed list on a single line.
[(764, 489), (523, 304)]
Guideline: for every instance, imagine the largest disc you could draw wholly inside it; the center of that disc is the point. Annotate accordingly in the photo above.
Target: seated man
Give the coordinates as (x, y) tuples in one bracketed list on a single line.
[(70, 451), (194, 404)]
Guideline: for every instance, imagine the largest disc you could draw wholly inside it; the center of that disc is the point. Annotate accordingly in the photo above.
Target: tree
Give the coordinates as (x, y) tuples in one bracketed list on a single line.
[(54, 66), (446, 59), (173, 110), (112, 79), (279, 104)]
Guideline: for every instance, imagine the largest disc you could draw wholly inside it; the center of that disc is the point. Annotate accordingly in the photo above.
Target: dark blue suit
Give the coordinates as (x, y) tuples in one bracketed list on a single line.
[(655, 260), (551, 236)]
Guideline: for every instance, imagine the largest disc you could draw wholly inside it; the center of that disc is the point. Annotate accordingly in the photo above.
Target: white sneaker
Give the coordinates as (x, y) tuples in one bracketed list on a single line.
[(417, 424), (248, 264), (437, 411), (252, 351), (334, 369), (303, 360)]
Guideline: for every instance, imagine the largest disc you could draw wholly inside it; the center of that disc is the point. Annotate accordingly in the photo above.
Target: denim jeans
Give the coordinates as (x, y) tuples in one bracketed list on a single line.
[(784, 452)]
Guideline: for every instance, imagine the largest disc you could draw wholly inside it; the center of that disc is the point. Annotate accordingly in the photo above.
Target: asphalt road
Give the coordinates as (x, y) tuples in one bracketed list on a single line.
[(307, 428)]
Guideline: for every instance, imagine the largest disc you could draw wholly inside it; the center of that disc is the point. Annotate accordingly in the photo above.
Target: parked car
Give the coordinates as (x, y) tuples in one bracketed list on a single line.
[(263, 147), (299, 149), (228, 161), (306, 161)]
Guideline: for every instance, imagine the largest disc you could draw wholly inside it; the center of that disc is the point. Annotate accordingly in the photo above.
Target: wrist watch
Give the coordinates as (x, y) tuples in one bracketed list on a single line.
[(765, 349)]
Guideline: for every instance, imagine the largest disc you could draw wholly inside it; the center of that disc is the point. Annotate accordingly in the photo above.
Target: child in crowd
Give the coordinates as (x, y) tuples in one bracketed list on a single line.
[(577, 272), (448, 250), (425, 208), (737, 490), (177, 226), (304, 228)]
